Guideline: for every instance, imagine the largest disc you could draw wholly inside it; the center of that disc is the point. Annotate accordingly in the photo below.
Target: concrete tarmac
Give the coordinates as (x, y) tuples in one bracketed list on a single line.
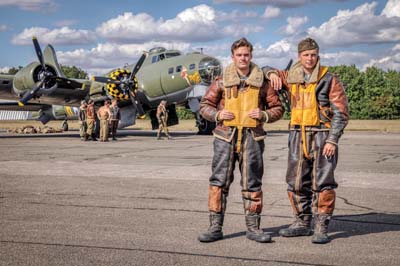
[(142, 201)]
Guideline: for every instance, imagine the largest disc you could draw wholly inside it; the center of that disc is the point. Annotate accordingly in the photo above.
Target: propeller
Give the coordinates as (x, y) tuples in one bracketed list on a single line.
[(127, 85), (135, 101), (283, 93), (44, 76)]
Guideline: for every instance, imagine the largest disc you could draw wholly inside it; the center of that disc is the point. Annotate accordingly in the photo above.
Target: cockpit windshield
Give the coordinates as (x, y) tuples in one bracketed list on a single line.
[(172, 54)]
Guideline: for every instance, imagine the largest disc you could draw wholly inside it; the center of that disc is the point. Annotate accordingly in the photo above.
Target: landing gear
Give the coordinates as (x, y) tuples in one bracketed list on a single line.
[(205, 127), (64, 125)]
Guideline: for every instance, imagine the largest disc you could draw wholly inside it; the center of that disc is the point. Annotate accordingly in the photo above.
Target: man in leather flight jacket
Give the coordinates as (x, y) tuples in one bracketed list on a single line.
[(240, 102), (319, 114)]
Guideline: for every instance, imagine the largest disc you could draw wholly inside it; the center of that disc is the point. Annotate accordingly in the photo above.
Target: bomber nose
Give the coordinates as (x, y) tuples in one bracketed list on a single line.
[(209, 68)]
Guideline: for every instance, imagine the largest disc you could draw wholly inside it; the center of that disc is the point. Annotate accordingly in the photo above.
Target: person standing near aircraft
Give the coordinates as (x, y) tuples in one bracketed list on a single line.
[(82, 119), (90, 120), (319, 114), (162, 116), (114, 118), (240, 103), (104, 115)]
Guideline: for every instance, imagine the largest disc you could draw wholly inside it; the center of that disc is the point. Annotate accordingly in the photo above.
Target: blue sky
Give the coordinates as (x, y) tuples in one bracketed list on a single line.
[(100, 35)]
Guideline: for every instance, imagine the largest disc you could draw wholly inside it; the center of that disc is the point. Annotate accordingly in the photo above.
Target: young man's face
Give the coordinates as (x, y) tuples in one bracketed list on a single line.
[(308, 59), (241, 57)]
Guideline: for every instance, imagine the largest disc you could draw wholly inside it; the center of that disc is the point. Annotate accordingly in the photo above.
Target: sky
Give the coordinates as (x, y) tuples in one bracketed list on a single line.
[(98, 36)]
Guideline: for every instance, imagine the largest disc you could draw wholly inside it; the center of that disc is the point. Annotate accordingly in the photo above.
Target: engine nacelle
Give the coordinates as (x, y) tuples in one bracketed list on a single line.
[(26, 78), (57, 112)]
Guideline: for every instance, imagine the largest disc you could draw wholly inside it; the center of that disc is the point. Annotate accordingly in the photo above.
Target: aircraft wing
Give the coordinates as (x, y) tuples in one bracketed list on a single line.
[(13, 106)]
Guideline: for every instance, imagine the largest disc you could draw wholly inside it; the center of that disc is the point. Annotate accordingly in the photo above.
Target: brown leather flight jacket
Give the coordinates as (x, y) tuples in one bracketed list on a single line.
[(214, 101), (331, 97)]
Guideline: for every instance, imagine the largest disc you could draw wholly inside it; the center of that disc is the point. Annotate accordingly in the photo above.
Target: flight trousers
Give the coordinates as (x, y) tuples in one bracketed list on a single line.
[(251, 166), (311, 182)]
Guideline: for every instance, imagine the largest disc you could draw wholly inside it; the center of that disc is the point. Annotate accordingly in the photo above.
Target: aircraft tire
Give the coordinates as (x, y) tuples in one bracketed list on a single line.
[(205, 127)]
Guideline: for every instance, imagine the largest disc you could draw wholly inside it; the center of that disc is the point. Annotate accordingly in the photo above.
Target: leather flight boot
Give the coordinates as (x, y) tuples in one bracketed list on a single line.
[(94, 137), (86, 137), (253, 229), (214, 232), (321, 223), (300, 227)]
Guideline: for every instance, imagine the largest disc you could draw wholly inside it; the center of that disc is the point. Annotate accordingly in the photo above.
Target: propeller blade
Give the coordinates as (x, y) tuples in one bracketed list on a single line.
[(138, 65), (29, 94), (136, 104), (38, 51), (106, 80), (283, 93), (68, 81)]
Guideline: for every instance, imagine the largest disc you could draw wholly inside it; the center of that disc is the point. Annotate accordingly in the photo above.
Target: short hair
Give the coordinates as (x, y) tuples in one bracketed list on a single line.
[(242, 42), (307, 44)]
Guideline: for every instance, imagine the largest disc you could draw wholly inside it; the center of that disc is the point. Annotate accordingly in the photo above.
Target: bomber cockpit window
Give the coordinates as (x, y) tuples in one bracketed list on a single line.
[(154, 59), (192, 66), (169, 55), (178, 68), (170, 70)]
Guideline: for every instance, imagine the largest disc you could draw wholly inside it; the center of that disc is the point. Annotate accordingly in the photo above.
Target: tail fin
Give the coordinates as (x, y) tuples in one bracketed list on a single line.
[(50, 58)]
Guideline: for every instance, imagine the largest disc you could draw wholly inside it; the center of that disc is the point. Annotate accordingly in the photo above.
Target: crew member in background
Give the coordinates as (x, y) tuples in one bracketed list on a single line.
[(162, 116), (114, 119), (104, 115), (90, 121), (82, 119), (319, 114)]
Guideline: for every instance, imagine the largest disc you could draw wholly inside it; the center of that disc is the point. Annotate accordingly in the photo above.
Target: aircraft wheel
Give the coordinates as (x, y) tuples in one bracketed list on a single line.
[(64, 126), (205, 127)]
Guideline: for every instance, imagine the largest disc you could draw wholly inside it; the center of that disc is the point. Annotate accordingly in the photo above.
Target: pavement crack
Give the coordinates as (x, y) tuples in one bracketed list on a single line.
[(347, 202)]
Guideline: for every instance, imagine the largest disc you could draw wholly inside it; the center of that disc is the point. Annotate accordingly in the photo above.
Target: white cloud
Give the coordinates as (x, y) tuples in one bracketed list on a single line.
[(344, 58), (4, 69), (242, 30), (62, 35), (389, 61), (235, 15), (392, 9), (195, 24), (294, 23), (271, 12), (3, 27), (129, 27), (106, 56), (31, 5), (357, 26)]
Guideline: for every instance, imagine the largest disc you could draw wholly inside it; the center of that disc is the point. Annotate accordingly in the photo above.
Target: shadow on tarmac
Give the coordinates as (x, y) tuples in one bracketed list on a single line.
[(344, 226)]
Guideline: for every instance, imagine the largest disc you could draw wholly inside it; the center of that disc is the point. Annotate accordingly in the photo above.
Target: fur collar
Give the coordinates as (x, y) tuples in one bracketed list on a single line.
[(231, 77), (296, 74)]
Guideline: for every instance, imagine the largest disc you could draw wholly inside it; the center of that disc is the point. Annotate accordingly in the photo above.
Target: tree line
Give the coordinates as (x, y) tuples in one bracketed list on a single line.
[(373, 93)]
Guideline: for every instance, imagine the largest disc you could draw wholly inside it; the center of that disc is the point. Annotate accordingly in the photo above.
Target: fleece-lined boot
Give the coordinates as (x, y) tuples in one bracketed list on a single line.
[(214, 232), (300, 227), (253, 229), (321, 223)]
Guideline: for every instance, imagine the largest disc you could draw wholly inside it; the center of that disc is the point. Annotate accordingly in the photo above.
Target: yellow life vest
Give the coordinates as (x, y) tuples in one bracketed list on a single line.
[(240, 103), (304, 106)]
